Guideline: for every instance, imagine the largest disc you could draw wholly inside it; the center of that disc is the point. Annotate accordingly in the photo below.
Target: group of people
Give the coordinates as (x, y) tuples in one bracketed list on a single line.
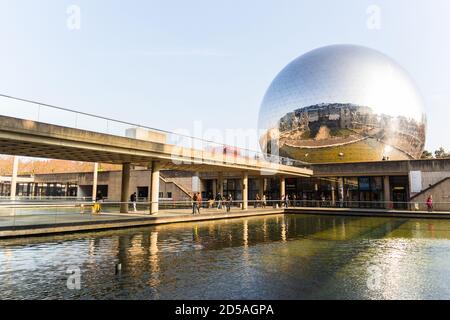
[(220, 202), (196, 203), (224, 202), (260, 201)]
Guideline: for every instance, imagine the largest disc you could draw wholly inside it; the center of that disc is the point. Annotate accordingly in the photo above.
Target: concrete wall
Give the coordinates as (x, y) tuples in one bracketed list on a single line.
[(178, 183), (431, 178), (380, 168), (441, 196)]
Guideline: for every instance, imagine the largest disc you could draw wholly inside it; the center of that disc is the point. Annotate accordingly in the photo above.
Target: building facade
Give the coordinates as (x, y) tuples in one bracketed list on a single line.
[(383, 184)]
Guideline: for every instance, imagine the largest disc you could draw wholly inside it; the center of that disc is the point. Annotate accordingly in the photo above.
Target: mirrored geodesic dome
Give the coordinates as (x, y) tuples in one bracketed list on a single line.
[(343, 103)]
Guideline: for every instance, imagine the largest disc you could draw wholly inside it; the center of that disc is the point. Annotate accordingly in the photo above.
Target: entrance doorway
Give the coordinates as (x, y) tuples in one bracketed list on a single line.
[(399, 187)]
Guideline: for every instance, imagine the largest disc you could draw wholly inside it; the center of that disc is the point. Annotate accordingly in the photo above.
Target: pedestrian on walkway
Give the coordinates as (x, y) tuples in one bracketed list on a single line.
[(229, 202), (97, 204), (257, 201), (133, 199), (430, 203), (264, 201), (194, 203), (219, 201), (286, 201), (199, 202)]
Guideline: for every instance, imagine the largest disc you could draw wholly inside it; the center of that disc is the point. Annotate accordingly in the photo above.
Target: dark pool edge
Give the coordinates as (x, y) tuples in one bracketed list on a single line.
[(89, 226), (373, 213)]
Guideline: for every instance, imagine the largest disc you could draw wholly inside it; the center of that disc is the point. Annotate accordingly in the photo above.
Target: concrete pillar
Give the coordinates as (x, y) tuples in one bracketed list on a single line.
[(14, 177), (261, 186), (245, 191), (282, 186), (33, 190), (94, 182), (154, 187), (333, 194), (341, 192), (220, 183), (126, 172), (214, 186), (387, 191), (196, 183)]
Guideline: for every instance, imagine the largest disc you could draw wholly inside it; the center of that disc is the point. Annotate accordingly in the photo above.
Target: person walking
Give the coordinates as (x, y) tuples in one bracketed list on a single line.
[(97, 204), (133, 201), (194, 203), (229, 202), (219, 201), (199, 202), (286, 201), (430, 203), (257, 201), (264, 201)]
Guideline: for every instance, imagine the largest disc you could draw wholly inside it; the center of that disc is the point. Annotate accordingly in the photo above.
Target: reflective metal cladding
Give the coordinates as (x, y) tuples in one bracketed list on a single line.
[(343, 103)]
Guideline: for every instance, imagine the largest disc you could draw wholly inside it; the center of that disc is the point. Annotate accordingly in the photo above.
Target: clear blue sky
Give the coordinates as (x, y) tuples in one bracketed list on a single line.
[(169, 63)]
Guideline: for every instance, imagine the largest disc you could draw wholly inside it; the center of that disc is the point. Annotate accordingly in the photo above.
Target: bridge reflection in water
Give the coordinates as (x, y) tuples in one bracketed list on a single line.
[(272, 257)]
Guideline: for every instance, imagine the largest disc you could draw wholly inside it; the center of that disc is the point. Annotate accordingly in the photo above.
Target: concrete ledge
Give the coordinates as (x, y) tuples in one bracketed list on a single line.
[(142, 221), (369, 213), (41, 230)]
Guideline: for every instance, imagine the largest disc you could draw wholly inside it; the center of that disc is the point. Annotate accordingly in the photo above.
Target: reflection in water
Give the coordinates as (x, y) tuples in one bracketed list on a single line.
[(245, 233), (286, 257), (154, 262), (264, 228), (283, 230)]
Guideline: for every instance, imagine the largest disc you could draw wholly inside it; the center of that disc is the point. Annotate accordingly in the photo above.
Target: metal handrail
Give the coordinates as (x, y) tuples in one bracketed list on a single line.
[(336, 202), (266, 156)]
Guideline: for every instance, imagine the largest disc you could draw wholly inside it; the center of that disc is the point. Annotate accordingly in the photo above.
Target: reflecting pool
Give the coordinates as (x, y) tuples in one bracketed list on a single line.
[(272, 257)]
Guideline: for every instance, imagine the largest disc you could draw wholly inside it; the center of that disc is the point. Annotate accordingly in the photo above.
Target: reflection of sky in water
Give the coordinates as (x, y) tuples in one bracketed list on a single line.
[(342, 74), (290, 257)]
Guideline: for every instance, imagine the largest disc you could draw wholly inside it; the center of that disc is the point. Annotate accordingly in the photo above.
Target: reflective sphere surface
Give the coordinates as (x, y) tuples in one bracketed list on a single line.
[(343, 103)]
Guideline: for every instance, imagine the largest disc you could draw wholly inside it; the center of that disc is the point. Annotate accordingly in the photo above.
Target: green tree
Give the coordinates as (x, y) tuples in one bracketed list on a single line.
[(441, 153), (426, 155)]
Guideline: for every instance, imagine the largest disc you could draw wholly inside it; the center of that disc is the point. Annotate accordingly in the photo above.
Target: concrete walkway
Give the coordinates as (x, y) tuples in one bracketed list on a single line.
[(43, 224)]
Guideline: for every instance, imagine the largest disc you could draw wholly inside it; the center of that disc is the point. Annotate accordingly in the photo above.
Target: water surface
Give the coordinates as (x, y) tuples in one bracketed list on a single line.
[(272, 257)]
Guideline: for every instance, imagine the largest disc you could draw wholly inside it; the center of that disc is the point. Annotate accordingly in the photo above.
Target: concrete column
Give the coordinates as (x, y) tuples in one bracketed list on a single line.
[(341, 193), (387, 191), (33, 189), (94, 182), (261, 186), (333, 194), (282, 186), (14, 177), (220, 183), (214, 186), (196, 183), (154, 183), (126, 172), (245, 191)]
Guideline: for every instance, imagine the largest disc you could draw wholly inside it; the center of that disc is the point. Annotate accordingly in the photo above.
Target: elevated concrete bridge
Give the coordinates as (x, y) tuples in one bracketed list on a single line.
[(36, 139)]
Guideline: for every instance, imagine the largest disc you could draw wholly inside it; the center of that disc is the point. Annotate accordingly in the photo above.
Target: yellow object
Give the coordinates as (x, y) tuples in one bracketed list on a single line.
[(96, 208)]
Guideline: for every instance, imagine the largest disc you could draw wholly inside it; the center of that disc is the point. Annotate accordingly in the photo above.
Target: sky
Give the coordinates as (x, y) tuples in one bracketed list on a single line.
[(201, 67)]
